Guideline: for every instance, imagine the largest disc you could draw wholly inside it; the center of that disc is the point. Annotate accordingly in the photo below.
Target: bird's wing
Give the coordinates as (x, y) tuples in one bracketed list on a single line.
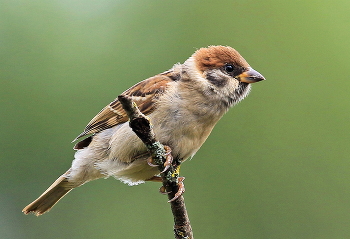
[(144, 94)]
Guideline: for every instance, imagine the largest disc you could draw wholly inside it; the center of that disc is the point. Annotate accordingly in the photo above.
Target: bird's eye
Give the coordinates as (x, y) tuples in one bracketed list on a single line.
[(229, 68)]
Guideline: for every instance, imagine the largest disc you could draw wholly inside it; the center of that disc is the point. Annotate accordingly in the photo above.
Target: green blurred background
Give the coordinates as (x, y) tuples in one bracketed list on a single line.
[(276, 166)]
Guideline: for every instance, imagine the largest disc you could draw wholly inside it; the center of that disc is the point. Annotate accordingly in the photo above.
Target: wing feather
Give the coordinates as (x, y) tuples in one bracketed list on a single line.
[(144, 94)]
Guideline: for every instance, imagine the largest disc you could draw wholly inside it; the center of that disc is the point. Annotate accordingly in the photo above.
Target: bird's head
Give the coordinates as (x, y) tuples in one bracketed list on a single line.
[(222, 71)]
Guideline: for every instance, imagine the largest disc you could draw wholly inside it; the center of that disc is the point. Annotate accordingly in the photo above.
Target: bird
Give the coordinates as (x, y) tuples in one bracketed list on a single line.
[(183, 105)]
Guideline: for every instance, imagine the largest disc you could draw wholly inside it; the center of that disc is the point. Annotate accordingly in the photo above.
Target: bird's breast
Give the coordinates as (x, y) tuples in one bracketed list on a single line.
[(184, 128)]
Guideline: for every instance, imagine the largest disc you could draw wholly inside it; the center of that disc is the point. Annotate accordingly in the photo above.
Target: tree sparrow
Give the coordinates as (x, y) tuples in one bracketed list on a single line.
[(183, 105)]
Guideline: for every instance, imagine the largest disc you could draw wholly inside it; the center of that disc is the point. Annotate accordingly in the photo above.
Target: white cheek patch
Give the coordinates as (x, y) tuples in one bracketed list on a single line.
[(194, 73)]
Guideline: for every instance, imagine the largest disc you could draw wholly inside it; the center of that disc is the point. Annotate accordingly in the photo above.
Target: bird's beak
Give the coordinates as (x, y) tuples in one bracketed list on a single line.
[(250, 76)]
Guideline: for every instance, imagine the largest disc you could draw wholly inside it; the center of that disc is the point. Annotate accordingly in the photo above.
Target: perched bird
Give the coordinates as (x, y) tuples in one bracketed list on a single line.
[(183, 105)]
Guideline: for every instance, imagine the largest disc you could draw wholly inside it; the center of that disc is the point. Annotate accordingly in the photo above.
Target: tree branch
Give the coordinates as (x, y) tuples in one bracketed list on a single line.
[(170, 177)]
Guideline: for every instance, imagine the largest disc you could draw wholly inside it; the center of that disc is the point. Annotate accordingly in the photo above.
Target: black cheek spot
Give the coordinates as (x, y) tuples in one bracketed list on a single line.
[(215, 80)]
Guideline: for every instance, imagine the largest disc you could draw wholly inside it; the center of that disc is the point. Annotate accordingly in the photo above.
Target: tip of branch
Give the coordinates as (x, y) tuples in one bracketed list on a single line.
[(130, 107), (125, 100)]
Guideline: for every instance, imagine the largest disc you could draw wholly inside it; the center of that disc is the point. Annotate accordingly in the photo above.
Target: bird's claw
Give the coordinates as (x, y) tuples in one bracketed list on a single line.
[(168, 162), (181, 189), (150, 162), (168, 159), (163, 191)]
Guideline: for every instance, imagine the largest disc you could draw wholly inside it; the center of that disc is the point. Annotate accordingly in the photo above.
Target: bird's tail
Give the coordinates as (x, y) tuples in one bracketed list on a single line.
[(50, 197)]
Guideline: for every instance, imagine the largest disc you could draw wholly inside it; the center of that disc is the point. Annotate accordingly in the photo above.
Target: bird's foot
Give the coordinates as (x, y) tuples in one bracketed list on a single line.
[(180, 190), (168, 159), (162, 189)]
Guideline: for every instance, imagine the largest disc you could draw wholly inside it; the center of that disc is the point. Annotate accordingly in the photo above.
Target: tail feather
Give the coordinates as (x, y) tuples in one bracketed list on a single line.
[(50, 197)]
